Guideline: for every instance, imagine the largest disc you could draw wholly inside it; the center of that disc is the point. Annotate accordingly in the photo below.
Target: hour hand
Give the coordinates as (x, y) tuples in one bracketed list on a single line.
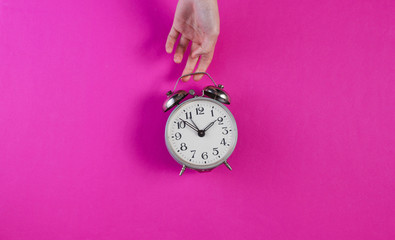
[(209, 126), (190, 125)]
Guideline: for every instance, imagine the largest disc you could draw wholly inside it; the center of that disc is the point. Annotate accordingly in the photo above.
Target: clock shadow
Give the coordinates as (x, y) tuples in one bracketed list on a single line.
[(148, 138)]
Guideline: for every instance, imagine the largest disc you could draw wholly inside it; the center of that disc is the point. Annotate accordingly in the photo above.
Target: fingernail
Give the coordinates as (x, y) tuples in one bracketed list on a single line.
[(177, 59)]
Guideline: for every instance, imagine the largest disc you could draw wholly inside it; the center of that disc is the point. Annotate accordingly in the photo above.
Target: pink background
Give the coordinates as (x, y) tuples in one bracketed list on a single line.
[(82, 154)]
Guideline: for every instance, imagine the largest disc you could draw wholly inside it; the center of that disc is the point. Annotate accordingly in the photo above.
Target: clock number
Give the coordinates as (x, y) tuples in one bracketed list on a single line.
[(225, 132), (181, 125), (212, 112), (204, 155), (188, 115), (220, 121), (199, 111), (194, 151), (215, 151), (183, 147), (223, 141), (178, 136)]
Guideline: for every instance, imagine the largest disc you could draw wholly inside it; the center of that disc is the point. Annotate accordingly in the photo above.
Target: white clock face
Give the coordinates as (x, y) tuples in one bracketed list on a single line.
[(201, 133)]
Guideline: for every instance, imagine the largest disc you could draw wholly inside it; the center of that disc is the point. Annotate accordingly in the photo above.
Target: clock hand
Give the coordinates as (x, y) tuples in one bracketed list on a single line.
[(201, 133), (189, 125), (195, 124), (209, 126)]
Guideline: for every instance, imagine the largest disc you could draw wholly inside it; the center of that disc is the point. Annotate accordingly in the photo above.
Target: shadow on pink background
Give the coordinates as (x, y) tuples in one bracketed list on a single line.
[(82, 154)]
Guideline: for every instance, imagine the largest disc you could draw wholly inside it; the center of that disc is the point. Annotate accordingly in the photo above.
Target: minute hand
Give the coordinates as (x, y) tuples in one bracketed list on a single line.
[(209, 126), (189, 125)]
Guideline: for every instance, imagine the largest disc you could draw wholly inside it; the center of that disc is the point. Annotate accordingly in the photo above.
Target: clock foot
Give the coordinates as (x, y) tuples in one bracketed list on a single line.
[(182, 169), (228, 166)]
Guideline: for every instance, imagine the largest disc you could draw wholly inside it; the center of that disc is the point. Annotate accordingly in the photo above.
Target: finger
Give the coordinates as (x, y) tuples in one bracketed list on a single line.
[(180, 50), (204, 62), (171, 40), (191, 64)]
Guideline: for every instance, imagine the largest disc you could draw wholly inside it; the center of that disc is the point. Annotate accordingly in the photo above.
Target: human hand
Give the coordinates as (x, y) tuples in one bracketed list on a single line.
[(197, 21)]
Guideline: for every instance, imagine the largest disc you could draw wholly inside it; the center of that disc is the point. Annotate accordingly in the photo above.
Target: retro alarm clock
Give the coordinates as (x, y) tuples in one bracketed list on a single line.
[(201, 132)]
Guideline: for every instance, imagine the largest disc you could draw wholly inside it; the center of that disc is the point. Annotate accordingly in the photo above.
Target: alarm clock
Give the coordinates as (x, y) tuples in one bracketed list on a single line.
[(201, 132)]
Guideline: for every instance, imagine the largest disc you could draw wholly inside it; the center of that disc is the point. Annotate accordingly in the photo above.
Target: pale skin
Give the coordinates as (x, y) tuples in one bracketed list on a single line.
[(195, 21)]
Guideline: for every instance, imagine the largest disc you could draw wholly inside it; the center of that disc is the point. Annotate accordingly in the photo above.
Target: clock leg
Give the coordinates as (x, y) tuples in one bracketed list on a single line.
[(228, 166), (182, 169)]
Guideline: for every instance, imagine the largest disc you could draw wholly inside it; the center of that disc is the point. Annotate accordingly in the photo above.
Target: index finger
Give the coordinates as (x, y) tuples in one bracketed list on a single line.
[(171, 39)]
